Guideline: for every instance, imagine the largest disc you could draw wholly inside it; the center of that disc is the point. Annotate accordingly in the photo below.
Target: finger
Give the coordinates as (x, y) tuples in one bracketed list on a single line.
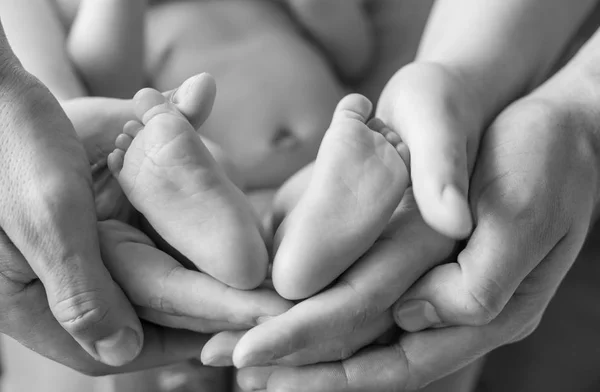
[(255, 378), (28, 320), (362, 294), (415, 360), (429, 123), (474, 290), (48, 213), (166, 346), (184, 322), (195, 98), (153, 279), (520, 221), (219, 350), (338, 348)]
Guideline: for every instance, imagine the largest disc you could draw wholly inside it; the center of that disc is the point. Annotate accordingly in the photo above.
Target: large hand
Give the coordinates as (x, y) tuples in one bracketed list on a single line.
[(29, 319), (52, 273), (164, 292), (534, 191)]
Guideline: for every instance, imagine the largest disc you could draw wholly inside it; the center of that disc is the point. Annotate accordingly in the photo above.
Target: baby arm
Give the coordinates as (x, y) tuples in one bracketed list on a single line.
[(106, 44), (38, 39), (474, 59)]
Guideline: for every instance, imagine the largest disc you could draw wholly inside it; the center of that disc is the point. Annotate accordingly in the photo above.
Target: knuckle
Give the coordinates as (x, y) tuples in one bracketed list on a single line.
[(484, 304), (15, 273), (403, 373), (81, 312), (159, 299), (369, 305)]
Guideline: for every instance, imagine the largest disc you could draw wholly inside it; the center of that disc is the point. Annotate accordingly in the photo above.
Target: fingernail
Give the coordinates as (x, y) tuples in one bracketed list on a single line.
[(218, 361), (415, 315), (119, 348)]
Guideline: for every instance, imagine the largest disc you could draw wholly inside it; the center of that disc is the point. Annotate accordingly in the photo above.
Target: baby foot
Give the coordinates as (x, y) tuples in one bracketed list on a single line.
[(358, 180), (169, 176)]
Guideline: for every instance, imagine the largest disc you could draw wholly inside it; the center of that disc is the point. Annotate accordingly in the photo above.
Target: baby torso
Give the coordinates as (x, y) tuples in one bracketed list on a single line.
[(275, 92)]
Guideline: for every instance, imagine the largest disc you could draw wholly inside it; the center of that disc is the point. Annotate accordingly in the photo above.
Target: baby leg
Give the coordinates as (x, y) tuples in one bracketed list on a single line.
[(342, 28), (169, 176), (358, 180)]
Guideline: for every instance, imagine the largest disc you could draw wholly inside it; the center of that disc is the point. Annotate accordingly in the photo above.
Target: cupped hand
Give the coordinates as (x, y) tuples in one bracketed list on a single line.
[(338, 322), (534, 192), (58, 296), (53, 280), (438, 116)]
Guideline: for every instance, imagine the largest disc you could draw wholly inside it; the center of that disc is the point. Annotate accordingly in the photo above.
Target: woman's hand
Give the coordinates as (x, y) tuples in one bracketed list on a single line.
[(338, 322), (534, 191)]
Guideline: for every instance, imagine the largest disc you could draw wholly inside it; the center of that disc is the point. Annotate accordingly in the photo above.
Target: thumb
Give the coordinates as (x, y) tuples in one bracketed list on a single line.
[(427, 119), (81, 293), (48, 213)]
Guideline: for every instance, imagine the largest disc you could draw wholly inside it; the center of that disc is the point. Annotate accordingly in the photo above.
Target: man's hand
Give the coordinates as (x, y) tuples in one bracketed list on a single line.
[(49, 247)]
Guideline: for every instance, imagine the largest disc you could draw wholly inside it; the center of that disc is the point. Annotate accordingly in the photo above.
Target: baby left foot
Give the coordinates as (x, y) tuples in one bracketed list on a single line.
[(169, 176), (358, 180)]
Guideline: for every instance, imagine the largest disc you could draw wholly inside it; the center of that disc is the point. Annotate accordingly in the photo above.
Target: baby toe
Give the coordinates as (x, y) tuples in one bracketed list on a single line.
[(353, 106), (123, 141), (132, 128), (115, 161)]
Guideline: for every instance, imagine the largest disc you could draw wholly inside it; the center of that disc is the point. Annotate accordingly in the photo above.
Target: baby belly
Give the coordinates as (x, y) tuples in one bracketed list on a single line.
[(187, 37)]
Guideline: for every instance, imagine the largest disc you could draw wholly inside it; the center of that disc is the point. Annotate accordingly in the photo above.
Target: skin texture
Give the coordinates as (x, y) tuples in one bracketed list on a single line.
[(61, 319), (498, 294), (160, 161), (110, 65), (257, 56), (441, 104), (358, 162)]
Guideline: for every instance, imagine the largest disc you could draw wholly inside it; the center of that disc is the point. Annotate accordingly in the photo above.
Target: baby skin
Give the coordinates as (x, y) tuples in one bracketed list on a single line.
[(358, 181), (168, 175)]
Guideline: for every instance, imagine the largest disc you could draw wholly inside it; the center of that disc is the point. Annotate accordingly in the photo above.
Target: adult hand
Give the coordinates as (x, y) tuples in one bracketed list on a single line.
[(534, 191), (437, 114), (336, 323), (51, 269), (50, 253)]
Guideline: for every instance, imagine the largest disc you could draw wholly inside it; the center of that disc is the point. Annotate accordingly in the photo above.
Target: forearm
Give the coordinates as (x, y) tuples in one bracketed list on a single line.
[(500, 48), (38, 40), (106, 44)]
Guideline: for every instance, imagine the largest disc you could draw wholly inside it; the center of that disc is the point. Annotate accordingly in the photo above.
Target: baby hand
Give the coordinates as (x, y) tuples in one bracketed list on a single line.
[(437, 115)]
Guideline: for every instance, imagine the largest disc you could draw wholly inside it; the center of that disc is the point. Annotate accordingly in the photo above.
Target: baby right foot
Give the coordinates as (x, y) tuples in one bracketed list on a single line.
[(358, 181), (169, 176)]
